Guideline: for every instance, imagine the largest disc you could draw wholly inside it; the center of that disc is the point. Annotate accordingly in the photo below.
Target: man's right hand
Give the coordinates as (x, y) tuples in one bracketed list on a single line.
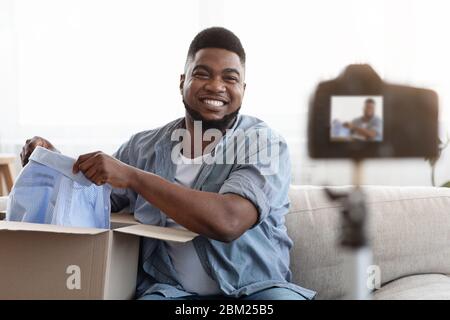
[(31, 144)]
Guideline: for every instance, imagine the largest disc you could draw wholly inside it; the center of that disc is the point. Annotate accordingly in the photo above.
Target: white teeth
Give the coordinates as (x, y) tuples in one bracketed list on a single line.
[(215, 103)]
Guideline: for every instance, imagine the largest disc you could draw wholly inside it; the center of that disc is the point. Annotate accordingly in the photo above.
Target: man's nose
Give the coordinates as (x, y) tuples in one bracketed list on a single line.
[(215, 85)]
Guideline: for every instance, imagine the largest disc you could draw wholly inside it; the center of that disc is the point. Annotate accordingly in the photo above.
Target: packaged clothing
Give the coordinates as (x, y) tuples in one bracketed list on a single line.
[(46, 191)]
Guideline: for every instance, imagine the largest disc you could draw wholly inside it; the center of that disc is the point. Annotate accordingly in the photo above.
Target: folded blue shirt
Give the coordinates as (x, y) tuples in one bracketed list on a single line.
[(46, 191)]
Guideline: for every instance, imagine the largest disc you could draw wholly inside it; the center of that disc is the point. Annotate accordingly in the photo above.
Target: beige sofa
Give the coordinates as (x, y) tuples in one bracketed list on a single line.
[(409, 232)]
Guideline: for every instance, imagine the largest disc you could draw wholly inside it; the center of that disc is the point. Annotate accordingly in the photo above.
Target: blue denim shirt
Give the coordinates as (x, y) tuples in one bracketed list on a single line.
[(258, 259), (46, 191)]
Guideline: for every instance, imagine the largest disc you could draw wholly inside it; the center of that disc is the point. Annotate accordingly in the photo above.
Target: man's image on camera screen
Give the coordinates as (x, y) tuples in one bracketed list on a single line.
[(367, 126)]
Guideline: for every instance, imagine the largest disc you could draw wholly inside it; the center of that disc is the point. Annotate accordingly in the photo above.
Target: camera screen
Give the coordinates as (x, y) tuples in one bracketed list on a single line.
[(356, 118)]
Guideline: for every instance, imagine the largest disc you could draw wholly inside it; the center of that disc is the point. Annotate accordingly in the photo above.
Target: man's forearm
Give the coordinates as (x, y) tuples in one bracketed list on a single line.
[(370, 134), (221, 217), (206, 213)]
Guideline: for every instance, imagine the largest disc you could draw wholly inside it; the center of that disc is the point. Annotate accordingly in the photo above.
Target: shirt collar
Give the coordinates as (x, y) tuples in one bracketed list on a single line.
[(58, 162)]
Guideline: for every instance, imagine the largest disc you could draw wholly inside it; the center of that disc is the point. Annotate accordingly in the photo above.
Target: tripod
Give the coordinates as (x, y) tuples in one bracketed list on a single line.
[(353, 240)]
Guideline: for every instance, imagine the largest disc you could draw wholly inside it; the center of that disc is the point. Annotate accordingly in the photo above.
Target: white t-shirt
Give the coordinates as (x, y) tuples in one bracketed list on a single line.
[(191, 273)]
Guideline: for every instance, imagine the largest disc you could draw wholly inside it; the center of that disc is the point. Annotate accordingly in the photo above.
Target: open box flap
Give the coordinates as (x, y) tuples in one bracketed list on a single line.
[(39, 227), (162, 233), (123, 219)]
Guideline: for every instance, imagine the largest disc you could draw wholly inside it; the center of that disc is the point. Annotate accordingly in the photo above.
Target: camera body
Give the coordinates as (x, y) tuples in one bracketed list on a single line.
[(358, 116)]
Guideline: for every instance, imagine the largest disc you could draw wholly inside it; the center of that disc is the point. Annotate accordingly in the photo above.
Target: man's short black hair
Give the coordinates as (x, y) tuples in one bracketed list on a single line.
[(370, 100), (216, 37)]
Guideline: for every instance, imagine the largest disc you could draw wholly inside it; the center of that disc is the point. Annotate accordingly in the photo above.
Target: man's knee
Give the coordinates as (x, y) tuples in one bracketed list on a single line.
[(275, 294), (158, 296)]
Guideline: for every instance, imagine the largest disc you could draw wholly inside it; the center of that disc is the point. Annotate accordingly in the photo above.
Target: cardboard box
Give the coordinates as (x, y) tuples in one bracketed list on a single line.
[(40, 261)]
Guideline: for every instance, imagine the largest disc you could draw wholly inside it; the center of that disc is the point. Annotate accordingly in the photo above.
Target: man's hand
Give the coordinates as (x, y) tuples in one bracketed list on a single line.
[(101, 168), (31, 144), (348, 125)]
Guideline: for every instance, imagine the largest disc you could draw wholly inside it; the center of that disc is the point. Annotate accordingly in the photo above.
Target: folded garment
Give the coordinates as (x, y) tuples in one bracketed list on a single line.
[(46, 191)]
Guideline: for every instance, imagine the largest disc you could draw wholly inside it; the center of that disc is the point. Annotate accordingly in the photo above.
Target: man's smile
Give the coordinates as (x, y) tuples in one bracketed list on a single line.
[(213, 103)]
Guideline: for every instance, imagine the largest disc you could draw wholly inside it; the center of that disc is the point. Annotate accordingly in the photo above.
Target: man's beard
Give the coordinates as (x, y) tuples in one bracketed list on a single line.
[(220, 124)]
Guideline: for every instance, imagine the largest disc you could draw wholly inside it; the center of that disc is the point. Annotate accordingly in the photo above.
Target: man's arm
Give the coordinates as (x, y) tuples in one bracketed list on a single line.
[(367, 133), (222, 217)]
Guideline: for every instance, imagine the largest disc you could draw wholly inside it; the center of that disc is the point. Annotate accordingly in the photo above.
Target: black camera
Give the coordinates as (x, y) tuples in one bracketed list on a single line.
[(358, 116)]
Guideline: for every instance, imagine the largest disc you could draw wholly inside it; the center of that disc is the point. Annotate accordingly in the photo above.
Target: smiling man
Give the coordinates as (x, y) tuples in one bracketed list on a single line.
[(368, 127), (236, 205)]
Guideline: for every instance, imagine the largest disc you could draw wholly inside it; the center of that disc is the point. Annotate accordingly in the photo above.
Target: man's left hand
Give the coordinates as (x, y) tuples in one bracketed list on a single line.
[(101, 168), (348, 125)]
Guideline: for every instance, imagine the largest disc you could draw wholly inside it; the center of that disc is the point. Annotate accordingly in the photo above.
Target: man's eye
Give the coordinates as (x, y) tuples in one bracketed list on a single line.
[(201, 75), (231, 79)]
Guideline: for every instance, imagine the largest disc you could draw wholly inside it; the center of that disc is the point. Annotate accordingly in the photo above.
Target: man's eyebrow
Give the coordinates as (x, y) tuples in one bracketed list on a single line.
[(226, 70), (230, 70), (201, 66)]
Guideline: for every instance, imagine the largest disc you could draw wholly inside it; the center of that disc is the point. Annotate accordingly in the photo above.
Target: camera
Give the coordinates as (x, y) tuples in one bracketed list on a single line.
[(358, 116)]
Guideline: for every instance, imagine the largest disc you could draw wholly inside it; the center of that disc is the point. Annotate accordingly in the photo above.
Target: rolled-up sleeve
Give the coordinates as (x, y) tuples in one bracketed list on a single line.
[(267, 188)]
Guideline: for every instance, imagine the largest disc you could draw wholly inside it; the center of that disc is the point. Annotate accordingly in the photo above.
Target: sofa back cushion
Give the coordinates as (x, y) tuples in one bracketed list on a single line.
[(409, 232)]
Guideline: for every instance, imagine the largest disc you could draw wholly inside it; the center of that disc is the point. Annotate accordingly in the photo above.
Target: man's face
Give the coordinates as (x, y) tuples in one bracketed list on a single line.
[(369, 110), (213, 84)]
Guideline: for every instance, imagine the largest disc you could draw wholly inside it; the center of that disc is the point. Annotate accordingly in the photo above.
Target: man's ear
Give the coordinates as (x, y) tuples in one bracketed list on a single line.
[(182, 78)]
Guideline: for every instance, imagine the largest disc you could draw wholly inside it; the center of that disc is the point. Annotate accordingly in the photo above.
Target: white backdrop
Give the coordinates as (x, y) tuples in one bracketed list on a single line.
[(88, 73)]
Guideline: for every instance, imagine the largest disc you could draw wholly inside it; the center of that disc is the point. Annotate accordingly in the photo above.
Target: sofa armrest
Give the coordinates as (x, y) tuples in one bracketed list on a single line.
[(3, 204)]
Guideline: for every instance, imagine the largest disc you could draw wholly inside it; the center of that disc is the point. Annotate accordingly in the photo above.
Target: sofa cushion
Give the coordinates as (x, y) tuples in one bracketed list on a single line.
[(409, 232), (423, 287)]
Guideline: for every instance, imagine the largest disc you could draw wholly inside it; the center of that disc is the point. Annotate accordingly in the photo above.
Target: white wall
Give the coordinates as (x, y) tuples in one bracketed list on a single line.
[(88, 74)]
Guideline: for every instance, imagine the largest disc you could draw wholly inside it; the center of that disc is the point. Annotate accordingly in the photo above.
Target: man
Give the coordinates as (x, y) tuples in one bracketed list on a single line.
[(369, 127), (237, 207)]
